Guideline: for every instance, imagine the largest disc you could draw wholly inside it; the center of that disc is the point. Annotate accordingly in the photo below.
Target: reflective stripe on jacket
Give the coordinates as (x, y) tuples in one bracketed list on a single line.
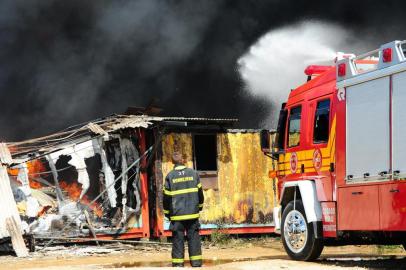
[(183, 194)]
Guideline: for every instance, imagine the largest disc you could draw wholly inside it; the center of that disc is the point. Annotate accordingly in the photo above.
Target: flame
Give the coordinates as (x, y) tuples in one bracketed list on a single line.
[(34, 167), (12, 172), (35, 185), (74, 190)]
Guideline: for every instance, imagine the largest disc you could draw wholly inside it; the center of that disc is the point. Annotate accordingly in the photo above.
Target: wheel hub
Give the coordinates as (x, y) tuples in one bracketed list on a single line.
[(295, 231)]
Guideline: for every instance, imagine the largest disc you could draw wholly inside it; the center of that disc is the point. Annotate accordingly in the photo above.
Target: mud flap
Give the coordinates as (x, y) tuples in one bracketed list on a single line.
[(277, 218), (318, 229)]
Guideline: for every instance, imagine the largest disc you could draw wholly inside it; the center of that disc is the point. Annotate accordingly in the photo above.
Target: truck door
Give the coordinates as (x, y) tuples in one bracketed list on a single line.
[(294, 143), (322, 144), (367, 154), (393, 206), (393, 193), (358, 208)]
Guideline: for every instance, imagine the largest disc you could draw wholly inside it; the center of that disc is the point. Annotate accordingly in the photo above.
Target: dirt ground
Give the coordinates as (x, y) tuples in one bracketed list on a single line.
[(265, 253)]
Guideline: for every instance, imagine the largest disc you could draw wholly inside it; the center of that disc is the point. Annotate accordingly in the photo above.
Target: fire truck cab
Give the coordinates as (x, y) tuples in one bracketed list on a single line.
[(340, 154)]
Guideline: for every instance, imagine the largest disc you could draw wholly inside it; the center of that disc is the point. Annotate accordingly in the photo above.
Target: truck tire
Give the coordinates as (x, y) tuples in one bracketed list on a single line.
[(297, 235)]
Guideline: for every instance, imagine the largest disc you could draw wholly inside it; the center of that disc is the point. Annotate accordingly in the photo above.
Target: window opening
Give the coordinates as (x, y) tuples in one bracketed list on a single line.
[(294, 126), (321, 122), (205, 152)]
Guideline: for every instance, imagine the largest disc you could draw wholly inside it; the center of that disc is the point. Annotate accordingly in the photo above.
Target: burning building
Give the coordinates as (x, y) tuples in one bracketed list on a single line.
[(104, 178)]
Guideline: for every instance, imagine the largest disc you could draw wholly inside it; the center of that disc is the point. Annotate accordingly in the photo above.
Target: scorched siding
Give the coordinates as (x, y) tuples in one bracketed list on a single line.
[(244, 193)]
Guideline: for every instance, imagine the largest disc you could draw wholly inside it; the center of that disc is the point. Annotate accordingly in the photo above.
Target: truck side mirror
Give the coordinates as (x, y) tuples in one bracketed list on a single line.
[(265, 141)]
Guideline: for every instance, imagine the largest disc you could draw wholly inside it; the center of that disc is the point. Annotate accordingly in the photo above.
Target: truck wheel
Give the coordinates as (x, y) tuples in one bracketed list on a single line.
[(297, 235)]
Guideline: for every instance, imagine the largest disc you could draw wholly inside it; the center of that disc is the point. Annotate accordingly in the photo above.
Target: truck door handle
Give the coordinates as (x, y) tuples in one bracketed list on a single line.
[(357, 193), (394, 190)]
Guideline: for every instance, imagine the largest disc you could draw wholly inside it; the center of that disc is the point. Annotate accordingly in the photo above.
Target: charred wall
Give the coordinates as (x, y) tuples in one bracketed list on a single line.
[(239, 192), (91, 186)]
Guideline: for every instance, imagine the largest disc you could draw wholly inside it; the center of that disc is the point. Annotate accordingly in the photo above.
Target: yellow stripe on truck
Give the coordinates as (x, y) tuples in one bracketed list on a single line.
[(306, 156)]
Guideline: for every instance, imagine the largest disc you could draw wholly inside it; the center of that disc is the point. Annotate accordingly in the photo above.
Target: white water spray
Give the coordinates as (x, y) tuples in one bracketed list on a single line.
[(275, 63)]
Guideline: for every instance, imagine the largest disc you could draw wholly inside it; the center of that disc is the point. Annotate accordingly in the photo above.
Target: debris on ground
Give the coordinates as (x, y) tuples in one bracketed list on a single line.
[(241, 254)]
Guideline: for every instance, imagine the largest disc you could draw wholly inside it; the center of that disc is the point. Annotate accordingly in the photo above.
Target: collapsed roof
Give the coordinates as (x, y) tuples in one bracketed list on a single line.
[(25, 150)]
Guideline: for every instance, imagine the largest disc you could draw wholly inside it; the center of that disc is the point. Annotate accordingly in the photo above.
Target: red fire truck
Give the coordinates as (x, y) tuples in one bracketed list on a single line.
[(340, 154)]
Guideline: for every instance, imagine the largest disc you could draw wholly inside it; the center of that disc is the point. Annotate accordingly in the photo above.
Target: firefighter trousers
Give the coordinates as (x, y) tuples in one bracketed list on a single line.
[(191, 227)]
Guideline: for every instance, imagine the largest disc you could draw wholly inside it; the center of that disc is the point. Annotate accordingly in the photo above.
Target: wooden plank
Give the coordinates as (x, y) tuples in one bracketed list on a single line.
[(96, 129), (16, 237), (10, 223)]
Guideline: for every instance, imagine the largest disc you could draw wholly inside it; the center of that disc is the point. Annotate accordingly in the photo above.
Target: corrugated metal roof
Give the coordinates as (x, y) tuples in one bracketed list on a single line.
[(222, 120), (133, 121), (250, 130), (101, 127), (130, 122), (146, 118)]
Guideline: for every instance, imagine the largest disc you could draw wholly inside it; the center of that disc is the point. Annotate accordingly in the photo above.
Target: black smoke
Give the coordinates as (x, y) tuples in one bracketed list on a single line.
[(64, 62)]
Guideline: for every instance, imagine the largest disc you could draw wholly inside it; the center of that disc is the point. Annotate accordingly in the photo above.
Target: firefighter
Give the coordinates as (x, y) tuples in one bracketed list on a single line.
[(183, 200)]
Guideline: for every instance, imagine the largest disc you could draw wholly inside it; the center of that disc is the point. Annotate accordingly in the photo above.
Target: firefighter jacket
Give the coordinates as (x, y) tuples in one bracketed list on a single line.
[(183, 194)]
